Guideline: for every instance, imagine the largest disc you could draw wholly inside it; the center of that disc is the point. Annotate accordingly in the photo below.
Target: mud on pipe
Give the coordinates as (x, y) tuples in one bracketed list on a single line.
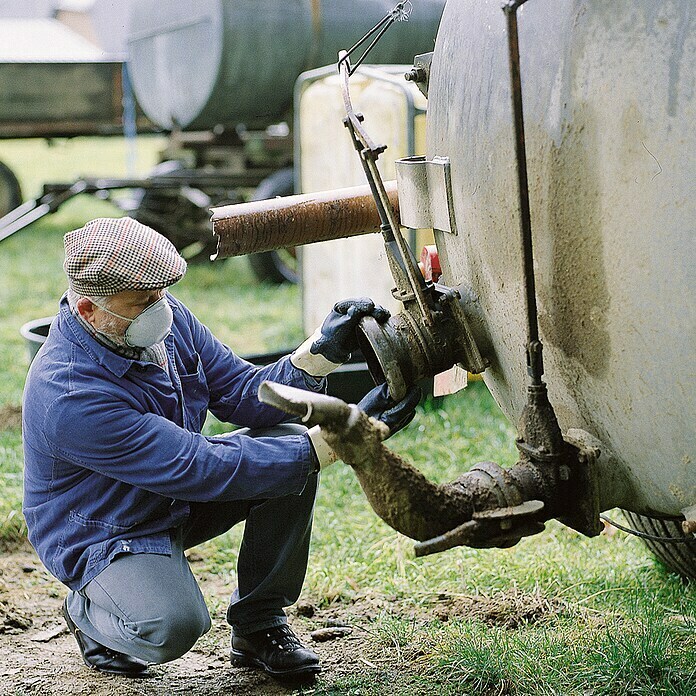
[(485, 507)]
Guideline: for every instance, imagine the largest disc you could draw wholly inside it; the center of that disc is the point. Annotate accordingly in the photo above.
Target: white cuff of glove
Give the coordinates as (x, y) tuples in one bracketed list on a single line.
[(313, 364), (325, 454)]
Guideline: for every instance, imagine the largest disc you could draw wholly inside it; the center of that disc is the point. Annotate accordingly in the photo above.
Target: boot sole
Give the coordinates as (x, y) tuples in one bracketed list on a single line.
[(245, 660)]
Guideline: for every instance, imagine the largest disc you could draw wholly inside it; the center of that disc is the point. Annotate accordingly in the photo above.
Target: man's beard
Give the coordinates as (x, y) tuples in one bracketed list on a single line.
[(113, 329)]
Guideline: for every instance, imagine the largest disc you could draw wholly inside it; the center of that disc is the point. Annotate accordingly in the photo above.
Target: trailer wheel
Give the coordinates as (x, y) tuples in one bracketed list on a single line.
[(10, 191), (681, 558), (278, 266), (184, 223)]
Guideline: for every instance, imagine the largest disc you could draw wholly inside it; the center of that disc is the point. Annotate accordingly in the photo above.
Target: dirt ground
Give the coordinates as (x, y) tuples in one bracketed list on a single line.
[(10, 416), (39, 656)]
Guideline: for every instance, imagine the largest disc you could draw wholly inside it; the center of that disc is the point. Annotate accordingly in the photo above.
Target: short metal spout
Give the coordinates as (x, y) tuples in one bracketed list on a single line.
[(400, 494)]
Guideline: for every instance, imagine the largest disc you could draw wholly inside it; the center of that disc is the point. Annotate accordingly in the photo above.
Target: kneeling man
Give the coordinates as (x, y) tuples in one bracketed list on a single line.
[(119, 480)]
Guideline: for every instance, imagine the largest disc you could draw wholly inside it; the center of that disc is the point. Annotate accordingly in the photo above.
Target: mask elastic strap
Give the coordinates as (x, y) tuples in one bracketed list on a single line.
[(120, 316)]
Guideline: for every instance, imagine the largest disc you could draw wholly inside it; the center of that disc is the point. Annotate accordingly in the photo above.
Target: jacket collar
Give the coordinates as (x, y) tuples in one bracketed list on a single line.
[(71, 328)]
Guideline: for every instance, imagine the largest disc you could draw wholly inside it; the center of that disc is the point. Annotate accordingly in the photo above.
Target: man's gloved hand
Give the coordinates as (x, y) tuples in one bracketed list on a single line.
[(322, 454), (332, 344), (338, 332), (376, 404), (394, 414)]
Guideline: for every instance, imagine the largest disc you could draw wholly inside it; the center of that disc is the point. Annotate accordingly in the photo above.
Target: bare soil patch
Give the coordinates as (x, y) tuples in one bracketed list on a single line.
[(510, 609), (39, 656), (10, 416)]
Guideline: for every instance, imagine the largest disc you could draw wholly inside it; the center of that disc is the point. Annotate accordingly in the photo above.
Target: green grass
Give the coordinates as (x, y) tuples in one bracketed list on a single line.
[(557, 614), (36, 162)]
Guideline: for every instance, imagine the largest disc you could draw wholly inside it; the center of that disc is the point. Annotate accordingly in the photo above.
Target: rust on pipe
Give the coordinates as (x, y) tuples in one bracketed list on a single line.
[(277, 223)]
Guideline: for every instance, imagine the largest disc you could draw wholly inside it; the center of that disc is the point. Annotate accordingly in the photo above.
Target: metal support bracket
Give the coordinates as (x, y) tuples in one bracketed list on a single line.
[(425, 193), (581, 511), (420, 73)]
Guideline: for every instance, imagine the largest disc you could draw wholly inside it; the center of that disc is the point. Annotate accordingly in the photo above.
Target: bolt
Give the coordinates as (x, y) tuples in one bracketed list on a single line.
[(564, 472), (505, 524), (416, 74), (689, 526)]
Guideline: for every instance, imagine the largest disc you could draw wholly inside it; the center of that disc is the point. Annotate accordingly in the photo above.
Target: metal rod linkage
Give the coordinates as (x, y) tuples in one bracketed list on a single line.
[(400, 12), (409, 280), (535, 365)]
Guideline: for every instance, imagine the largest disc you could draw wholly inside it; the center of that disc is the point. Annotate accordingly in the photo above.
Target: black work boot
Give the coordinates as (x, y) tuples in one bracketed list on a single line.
[(101, 658), (276, 650)]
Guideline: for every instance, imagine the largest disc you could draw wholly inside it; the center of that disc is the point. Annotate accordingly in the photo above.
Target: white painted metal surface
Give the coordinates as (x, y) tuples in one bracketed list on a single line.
[(45, 41)]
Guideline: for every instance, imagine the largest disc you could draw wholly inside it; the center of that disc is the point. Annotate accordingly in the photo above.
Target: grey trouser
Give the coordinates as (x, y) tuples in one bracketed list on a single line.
[(150, 606)]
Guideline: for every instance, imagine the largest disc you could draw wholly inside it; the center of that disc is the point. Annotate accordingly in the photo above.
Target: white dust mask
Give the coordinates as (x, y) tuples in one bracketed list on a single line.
[(151, 326)]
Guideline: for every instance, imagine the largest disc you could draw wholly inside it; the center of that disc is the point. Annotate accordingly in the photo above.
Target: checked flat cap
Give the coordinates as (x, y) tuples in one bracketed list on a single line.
[(109, 255)]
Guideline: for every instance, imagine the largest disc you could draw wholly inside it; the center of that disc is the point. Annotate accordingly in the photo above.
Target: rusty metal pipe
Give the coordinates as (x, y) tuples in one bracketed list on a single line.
[(484, 507), (290, 221), (403, 497)]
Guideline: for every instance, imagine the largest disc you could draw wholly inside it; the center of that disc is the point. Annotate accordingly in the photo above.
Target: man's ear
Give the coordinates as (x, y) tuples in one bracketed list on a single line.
[(86, 308)]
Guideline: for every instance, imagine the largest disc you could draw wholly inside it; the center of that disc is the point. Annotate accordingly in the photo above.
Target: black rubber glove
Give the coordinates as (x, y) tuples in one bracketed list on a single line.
[(338, 332), (394, 414)]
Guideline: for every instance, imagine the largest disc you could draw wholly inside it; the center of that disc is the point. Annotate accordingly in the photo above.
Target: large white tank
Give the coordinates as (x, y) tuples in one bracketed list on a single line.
[(610, 108), (213, 63)]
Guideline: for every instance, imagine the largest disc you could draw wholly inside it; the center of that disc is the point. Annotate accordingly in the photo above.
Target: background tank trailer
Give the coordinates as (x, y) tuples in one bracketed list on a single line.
[(218, 77)]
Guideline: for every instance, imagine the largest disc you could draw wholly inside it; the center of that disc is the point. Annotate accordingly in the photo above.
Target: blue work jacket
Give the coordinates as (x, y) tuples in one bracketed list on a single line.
[(113, 451)]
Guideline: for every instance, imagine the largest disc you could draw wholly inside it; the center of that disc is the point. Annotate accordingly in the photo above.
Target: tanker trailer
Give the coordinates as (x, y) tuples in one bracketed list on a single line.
[(219, 76), (599, 156)]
